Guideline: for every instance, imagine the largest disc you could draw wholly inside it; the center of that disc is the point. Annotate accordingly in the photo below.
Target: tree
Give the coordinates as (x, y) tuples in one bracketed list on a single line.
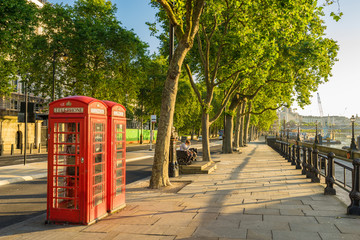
[(184, 15), (18, 22)]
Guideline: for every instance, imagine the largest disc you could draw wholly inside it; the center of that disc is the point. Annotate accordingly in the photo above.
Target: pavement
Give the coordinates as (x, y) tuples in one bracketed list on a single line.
[(253, 195)]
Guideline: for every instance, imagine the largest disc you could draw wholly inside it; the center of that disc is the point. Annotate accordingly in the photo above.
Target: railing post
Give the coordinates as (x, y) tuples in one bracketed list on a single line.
[(293, 160), (289, 150), (316, 172), (310, 166), (354, 207), (298, 160), (304, 163), (330, 176)]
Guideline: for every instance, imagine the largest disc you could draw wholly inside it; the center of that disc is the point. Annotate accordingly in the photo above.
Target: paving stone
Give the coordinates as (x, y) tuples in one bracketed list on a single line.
[(312, 227), (286, 235), (246, 224), (224, 232), (337, 236), (262, 211), (259, 234), (292, 212), (289, 219)]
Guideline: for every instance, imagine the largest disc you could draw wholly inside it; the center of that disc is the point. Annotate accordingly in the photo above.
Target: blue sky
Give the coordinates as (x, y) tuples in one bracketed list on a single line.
[(340, 96)]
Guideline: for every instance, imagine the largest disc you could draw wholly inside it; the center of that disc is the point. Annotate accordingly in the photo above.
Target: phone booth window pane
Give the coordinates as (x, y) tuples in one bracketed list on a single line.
[(119, 181), (98, 127), (118, 191), (119, 163), (98, 168), (119, 172), (119, 146), (119, 136), (119, 127), (98, 179), (98, 137), (98, 148), (119, 155), (98, 158)]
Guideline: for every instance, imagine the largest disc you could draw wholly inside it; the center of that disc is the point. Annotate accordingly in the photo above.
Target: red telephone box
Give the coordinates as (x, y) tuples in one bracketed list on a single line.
[(116, 156), (77, 160)]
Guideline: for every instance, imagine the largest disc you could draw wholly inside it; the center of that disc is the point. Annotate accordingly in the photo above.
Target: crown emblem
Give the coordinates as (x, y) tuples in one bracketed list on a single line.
[(68, 104)]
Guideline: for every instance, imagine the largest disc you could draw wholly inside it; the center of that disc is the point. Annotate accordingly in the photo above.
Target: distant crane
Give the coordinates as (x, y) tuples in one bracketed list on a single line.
[(326, 134), (320, 106)]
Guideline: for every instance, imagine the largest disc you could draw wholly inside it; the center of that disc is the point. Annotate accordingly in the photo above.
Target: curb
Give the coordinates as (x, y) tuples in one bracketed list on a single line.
[(22, 179)]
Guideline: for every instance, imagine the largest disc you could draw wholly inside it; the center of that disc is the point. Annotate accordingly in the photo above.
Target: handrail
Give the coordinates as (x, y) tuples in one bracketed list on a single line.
[(312, 158)]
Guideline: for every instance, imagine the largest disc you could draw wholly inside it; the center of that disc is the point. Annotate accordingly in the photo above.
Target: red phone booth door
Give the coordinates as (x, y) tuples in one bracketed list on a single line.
[(65, 176), (98, 179), (119, 157)]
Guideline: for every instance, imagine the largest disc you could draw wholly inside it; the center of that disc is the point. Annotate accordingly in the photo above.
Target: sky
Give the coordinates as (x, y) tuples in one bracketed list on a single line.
[(339, 97)]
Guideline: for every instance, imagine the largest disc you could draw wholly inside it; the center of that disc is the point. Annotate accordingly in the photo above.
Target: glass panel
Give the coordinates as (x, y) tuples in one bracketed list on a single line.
[(67, 127), (77, 138), (66, 160), (98, 199), (98, 148), (66, 203), (119, 155), (119, 146), (98, 158), (119, 172), (98, 127), (118, 181), (99, 137), (98, 168), (119, 127), (55, 138), (64, 171), (98, 189), (118, 191), (67, 138), (119, 136), (78, 127), (119, 163), (98, 179)]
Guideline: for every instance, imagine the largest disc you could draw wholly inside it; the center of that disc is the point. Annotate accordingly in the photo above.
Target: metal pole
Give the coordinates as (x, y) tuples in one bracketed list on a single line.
[(26, 120), (151, 137), (53, 75), (353, 145)]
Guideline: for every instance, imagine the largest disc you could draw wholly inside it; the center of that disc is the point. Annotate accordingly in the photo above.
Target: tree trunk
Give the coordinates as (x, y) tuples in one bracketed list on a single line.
[(228, 133), (242, 122), (205, 136), (247, 124), (160, 176), (237, 126)]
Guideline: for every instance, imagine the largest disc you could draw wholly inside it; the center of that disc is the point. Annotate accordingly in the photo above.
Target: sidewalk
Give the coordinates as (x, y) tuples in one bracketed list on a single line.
[(253, 195)]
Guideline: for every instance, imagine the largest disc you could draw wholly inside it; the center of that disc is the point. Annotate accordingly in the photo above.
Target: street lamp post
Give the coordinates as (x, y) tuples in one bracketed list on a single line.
[(352, 145), (316, 134), (298, 133)]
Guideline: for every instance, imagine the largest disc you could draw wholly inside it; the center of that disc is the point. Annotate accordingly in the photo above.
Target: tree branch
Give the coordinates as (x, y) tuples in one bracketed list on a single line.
[(192, 82)]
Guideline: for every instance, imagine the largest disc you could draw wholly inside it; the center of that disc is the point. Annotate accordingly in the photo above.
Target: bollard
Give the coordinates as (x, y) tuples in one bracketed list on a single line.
[(12, 149), (293, 155), (1, 149), (330, 176), (31, 147), (289, 150), (310, 164), (173, 164), (298, 160), (39, 148), (316, 172), (354, 207), (21, 148), (304, 163)]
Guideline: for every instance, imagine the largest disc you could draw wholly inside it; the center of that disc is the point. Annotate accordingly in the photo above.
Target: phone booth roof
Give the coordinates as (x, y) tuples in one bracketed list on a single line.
[(117, 110), (75, 105)]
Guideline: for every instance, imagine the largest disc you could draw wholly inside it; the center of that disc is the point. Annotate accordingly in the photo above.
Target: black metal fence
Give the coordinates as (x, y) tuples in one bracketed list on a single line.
[(316, 165)]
